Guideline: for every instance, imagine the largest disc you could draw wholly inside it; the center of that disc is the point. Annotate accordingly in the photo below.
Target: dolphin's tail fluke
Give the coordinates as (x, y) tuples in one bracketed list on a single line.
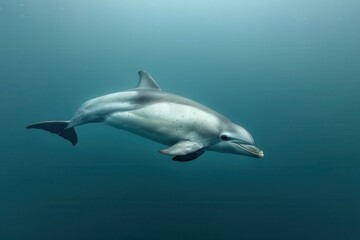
[(59, 128)]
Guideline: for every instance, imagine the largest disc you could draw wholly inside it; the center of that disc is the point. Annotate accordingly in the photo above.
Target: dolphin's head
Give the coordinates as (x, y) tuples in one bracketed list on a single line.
[(237, 140)]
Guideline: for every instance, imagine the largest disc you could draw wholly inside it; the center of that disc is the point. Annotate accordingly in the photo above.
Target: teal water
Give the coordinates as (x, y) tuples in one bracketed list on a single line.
[(288, 71)]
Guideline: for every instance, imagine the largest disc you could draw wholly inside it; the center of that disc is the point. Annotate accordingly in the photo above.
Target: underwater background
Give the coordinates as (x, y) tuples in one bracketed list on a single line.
[(288, 71)]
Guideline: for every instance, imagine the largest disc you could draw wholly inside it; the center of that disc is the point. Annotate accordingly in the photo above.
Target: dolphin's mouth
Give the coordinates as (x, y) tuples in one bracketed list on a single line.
[(251, 150)]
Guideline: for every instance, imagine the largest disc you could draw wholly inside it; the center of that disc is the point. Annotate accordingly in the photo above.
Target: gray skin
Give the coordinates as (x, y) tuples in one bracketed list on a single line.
[(187, 127)]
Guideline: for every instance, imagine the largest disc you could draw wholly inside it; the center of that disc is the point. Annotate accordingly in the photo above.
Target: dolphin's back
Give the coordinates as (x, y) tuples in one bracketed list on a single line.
[(146, 97)]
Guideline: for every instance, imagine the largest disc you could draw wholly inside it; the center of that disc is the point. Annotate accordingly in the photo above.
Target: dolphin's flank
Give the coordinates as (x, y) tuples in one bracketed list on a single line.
[(187, 127)]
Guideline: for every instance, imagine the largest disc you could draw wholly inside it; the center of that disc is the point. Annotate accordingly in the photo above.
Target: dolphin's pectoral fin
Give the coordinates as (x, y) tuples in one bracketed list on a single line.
[(184, 150), (146, 81), (190, 156)]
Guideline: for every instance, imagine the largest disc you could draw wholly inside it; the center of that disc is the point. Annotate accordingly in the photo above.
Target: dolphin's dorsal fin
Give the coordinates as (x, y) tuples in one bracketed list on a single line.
[(146, 81)]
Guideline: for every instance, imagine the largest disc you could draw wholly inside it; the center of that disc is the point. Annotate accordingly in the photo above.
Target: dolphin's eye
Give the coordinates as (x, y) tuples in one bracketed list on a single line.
[(224, 137)]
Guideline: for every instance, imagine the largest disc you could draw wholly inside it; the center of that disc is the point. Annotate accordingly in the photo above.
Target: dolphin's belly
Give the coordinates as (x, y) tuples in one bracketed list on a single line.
[(167, 123)]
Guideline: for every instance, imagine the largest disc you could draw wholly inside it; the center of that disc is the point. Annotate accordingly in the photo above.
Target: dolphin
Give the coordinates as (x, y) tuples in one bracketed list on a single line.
[(188, 128)]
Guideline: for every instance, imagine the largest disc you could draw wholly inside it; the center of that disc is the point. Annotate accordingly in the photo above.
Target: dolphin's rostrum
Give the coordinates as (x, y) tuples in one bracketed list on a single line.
[(187, 127)]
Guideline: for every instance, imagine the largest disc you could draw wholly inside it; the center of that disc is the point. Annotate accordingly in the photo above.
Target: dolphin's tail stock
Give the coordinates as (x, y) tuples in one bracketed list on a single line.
[(59, 128)]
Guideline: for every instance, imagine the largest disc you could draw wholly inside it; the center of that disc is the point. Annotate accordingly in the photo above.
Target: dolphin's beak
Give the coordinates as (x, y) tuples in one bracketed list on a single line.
[(244, 144), (251, 150)]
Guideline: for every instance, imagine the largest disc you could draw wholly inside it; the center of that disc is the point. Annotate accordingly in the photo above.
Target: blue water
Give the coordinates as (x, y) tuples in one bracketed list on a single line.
[(288, 71)]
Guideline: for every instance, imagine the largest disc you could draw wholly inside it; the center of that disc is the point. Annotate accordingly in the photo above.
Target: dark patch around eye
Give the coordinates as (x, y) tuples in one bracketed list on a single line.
[(224, 137)]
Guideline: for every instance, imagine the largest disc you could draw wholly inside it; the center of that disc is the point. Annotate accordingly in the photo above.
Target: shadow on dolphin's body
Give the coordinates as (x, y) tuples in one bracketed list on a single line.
[(187, 127)]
